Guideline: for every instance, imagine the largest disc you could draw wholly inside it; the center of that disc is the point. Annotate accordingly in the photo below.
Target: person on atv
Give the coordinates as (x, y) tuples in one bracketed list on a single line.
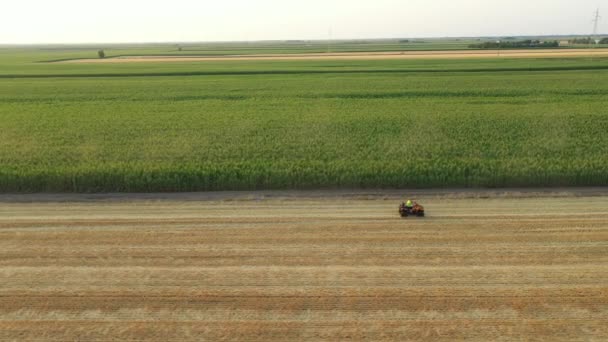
[(409, 205)]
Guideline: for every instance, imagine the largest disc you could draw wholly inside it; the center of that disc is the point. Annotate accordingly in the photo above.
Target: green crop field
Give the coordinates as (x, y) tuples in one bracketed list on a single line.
[(219, 49), (193, 126)]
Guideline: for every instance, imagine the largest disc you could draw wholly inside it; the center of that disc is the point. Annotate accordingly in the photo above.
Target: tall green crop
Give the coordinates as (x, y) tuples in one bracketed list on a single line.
[(362, 127)]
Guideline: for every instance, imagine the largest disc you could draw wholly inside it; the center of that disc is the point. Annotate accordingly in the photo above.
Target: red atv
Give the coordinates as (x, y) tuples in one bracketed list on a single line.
[(415, 210)]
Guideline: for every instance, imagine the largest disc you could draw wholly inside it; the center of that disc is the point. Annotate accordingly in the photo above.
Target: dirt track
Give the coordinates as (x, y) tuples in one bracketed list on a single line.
[(305, 268), (456, 54)]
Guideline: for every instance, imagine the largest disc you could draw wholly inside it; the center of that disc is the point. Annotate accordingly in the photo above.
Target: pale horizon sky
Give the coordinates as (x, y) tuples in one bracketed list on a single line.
[(139, 21)]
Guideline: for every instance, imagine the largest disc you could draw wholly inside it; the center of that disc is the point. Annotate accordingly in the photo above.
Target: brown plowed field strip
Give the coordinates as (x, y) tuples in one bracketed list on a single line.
[(315, 269), (453, 54)]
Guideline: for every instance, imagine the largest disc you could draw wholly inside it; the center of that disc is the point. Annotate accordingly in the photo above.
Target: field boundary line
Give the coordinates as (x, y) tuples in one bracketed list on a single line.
[(303, 72)]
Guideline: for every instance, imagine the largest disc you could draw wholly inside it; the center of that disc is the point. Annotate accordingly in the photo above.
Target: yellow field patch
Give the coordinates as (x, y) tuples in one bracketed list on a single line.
[(453, 54)]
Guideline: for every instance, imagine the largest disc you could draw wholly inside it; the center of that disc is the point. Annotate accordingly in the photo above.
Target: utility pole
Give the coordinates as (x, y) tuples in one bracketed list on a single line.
[(596, 21), (330, 40), (594, 37)]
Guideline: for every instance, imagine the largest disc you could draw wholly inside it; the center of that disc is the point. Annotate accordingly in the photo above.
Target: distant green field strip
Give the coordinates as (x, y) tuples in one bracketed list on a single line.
[(304, 72), (486, 94)]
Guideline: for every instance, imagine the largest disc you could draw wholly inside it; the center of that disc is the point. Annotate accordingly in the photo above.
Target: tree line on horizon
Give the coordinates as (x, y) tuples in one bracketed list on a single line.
[(528, 43), (587, 40)]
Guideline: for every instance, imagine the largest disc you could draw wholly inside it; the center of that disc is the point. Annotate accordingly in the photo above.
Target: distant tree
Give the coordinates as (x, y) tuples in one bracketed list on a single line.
[(581, 40), (516, 44), (179, 48), (101, 54), (604, 41)]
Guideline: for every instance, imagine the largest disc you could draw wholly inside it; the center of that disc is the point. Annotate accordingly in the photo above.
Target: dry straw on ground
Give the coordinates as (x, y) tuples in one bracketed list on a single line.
[(453, 54), (335, 269)]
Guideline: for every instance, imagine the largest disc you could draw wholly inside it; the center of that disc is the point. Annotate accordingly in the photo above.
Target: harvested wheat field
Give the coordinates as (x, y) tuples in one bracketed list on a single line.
[(447, 54), (341, 268)]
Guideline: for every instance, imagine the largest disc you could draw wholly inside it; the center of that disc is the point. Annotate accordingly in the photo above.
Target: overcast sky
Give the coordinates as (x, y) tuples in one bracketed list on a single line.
[(81, 21)]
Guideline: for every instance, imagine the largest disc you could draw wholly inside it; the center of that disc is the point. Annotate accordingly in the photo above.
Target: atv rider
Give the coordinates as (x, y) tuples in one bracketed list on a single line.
[(409, 205)]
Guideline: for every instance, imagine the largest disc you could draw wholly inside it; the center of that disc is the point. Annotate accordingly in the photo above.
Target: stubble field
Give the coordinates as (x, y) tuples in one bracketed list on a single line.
[(348, 56), (340, 268)]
